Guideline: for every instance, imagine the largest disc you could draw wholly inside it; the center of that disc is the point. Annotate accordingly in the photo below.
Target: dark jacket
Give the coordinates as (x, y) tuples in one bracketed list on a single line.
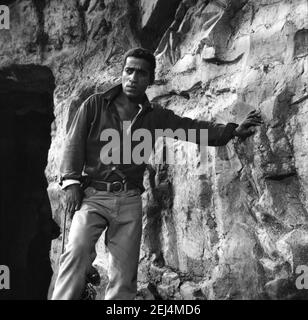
[(83, 146)]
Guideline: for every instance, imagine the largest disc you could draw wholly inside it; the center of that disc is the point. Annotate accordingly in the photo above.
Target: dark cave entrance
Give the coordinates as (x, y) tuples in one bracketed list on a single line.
[(26, 225)]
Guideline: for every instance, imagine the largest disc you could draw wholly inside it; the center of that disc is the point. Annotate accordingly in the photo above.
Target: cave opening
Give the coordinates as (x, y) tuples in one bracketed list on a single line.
[(26, 224)]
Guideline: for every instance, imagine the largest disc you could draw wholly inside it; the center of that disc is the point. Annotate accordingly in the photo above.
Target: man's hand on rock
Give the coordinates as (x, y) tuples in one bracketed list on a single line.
[(73, 198), (247, 127)]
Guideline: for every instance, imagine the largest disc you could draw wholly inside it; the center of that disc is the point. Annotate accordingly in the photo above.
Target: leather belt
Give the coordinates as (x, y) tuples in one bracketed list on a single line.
[(116, 186)]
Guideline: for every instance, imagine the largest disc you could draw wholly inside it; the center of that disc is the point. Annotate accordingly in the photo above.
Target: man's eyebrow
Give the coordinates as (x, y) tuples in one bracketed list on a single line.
[(136, 68)]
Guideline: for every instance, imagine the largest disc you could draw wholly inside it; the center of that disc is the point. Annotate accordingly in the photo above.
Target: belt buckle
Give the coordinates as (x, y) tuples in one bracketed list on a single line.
[(115, 185)]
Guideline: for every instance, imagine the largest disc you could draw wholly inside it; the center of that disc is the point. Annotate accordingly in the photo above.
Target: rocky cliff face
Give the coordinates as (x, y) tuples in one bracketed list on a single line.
[(238, 230)]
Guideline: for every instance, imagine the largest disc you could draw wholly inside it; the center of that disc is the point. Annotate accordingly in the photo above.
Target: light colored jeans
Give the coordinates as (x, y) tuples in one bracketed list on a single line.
[(121, 214)]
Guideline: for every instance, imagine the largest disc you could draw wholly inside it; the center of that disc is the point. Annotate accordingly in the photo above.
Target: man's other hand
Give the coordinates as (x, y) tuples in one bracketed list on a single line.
[(247, 127), (73, 198)]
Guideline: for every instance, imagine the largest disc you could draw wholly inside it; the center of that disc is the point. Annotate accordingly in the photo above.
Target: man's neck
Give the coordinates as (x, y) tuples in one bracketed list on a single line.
[(129, 102), (126, 108)]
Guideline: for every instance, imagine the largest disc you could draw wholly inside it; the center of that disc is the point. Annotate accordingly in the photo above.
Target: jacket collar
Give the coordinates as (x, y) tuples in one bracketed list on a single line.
[(115, 90)]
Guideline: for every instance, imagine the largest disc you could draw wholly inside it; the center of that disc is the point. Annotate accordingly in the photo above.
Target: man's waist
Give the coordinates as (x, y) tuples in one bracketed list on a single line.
[(114, 186), (133, 174)]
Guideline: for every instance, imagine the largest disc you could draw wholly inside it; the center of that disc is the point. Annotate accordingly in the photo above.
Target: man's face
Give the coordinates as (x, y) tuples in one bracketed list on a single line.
[(135, 77)]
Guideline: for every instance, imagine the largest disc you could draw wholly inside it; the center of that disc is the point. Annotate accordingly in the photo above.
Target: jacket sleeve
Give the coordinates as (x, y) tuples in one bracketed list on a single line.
[(74, 152), (218, 134)]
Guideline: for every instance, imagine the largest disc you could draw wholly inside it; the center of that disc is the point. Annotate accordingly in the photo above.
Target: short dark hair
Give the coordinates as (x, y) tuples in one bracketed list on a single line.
[(144, 54)]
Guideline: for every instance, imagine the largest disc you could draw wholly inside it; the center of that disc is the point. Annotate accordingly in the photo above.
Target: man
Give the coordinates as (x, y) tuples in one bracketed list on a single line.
[(112, 200)]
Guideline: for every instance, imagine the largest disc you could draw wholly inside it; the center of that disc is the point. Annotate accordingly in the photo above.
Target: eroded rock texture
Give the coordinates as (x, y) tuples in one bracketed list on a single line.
[(239, 229)]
